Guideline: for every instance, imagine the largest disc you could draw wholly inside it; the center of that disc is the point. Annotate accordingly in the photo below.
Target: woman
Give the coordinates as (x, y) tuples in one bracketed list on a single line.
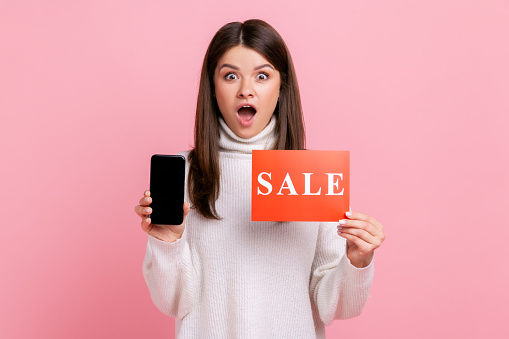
[(220, 274)]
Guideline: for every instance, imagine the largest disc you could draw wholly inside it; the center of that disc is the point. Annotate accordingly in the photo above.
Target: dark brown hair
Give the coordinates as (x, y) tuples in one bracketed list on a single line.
[(204, 171)]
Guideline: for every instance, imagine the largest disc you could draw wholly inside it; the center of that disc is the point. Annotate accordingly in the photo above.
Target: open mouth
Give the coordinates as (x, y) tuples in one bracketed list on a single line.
[(246, 113)]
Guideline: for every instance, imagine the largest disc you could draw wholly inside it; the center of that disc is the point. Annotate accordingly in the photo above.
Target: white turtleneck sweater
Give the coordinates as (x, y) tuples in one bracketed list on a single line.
[(237, 278)]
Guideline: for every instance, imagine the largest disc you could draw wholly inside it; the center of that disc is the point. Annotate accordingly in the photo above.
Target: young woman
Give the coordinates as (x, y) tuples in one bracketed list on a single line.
[(220, 274)]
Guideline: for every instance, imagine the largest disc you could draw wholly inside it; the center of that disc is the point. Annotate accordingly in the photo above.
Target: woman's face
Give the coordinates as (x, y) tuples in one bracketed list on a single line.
[(247, 90)]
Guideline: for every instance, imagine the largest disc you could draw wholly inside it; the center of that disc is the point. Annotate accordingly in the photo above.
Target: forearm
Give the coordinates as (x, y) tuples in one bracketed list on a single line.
[(170, 276)]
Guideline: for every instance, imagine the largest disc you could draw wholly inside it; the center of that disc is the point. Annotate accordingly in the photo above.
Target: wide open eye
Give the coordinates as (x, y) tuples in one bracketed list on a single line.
[(231, 76), (262, 76)]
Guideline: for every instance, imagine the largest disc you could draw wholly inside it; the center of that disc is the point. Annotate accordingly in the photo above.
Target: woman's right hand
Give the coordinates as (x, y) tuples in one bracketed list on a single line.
[(168, 233)]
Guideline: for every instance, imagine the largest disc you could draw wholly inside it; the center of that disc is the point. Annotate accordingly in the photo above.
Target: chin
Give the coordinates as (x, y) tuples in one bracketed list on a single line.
[(246, 134)]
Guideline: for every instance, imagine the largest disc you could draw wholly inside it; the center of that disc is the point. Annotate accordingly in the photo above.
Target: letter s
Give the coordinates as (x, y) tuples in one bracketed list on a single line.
[(264, 183)]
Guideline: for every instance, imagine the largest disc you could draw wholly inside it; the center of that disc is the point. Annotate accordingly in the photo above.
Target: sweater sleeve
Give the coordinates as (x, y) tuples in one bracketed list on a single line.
[(170, 276), (338, 289)]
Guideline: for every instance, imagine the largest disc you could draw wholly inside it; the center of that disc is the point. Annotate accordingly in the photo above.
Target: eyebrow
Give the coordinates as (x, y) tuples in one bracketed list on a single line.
[(236, 68)]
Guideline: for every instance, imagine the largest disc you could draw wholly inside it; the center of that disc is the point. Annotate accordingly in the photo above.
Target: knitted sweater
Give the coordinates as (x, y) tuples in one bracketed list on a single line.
[(236, 278)]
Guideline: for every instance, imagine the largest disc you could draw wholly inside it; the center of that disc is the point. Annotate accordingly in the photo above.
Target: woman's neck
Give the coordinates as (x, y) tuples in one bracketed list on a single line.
[(230, 142)]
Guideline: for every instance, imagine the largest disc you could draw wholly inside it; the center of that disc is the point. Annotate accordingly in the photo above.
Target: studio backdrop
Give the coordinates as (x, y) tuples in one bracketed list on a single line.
[(416, 91)]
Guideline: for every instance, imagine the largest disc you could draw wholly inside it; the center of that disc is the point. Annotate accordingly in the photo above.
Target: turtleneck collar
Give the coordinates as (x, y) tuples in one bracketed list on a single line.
[(230, 142)]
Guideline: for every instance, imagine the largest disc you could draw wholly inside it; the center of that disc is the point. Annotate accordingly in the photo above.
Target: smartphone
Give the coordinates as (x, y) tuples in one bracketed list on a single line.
[(167, 180)]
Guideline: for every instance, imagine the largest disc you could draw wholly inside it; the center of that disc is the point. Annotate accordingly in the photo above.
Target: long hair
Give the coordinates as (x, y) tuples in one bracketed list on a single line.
[(204, 171)]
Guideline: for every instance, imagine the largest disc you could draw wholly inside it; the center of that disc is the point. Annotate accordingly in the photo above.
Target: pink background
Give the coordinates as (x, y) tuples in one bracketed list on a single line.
[(418, 91)]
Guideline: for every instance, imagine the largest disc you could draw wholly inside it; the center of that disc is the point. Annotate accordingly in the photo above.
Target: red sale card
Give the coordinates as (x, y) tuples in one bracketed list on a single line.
[(300, 185)]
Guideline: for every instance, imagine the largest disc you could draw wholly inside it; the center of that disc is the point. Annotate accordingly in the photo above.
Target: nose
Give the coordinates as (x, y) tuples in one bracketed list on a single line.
[(246, 90)]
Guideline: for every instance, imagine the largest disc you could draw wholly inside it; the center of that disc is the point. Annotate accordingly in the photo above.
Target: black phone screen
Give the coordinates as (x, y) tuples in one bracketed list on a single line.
[(167, 178)]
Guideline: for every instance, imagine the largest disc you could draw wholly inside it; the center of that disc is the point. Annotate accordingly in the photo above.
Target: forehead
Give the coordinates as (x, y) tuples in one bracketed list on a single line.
[(242, 57)]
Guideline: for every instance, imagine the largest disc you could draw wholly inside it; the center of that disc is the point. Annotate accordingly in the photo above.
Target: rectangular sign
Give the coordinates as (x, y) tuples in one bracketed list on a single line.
[(300, 185)]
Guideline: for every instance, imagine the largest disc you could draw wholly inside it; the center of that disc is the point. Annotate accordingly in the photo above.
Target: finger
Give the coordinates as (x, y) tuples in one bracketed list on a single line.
[(145, 201), (146, 225), (146, 193), (361, 234), (364, 217), (362, 225), (364, 247), (143, 211)]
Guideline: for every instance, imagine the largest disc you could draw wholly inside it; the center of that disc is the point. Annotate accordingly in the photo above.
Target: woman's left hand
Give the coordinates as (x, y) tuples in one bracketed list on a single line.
[(363, 235)]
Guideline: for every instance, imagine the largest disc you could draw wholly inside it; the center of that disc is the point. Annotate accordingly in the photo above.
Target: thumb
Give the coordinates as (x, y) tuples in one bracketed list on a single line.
[(187, 208)]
